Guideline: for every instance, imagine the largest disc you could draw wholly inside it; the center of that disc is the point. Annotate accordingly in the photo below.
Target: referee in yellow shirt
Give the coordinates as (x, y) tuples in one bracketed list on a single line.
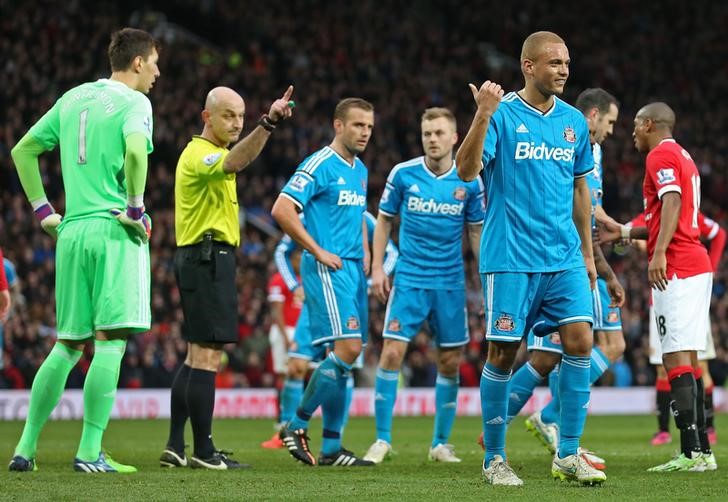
[(207, 233)]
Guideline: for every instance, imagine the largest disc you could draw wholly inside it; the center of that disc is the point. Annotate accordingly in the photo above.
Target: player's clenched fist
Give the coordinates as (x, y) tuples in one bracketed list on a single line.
[(488, 97)]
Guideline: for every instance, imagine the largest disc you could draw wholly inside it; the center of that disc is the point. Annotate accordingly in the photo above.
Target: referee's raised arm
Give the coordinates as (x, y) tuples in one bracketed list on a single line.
[(247, 150)]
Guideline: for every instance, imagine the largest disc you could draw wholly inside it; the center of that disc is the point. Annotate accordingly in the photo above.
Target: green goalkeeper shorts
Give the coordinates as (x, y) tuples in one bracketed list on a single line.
[(102, 279)]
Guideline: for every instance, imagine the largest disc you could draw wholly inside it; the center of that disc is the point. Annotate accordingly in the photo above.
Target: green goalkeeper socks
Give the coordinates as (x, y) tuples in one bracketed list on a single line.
[(47, 390), (99, 394)]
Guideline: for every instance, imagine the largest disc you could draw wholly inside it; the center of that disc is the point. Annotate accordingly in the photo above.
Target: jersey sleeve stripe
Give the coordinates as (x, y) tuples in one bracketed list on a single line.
[(284, 268), (410, 163), (312, 164), (276, 298), (292, 199), (669, 188), (581, 175), (713, 231), (385, 213), (390, 259)]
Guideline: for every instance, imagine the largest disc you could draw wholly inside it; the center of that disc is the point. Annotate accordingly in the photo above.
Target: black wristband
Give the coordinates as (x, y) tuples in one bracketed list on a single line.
[(266, 123)]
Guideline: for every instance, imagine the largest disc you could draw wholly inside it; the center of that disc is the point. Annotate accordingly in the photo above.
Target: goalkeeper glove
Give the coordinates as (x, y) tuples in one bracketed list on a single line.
[(49, 219), (136, 220)]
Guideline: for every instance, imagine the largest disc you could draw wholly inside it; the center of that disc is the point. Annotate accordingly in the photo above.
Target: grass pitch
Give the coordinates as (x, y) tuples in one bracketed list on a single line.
[(623, 441)]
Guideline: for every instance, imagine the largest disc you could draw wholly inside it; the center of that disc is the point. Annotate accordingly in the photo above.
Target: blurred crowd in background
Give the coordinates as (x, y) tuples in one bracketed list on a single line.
[(403, 57)]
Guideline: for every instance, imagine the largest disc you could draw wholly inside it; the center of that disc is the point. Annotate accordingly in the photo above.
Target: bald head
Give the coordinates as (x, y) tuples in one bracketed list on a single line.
[(223, 115), (535, 42), (221, 98), (660, 113)]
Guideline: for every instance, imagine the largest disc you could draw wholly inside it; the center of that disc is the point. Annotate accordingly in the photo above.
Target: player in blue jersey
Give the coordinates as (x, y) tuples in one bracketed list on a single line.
[(8, 290), (600, 110), (330, 186), (434, 206), (536, 256), (302, 353)]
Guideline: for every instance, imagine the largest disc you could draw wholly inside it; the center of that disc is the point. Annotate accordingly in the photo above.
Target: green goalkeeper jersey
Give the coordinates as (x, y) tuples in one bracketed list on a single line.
[(90, 123)]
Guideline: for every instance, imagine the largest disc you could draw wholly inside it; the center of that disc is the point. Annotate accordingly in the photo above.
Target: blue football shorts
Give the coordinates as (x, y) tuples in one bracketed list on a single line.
[(444, 310), (336, 300), (516, 302), (606, 318)]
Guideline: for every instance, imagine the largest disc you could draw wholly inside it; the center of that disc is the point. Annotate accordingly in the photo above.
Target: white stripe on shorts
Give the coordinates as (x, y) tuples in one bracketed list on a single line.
[(489, 307), (330, 297)]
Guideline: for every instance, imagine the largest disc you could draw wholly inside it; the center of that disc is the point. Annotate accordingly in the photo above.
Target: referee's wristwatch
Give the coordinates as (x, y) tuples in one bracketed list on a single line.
[(267, 123)]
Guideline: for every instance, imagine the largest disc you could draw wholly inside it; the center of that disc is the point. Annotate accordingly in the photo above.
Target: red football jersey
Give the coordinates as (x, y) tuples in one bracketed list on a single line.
[(671, 169), (706, 227), (638, 221), (279, 292)]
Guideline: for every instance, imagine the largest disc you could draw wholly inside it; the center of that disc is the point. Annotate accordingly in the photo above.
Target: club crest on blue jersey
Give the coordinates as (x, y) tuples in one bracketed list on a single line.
[(570, 135), (460, 193), (394, 325), (555, 338), (505, 323)]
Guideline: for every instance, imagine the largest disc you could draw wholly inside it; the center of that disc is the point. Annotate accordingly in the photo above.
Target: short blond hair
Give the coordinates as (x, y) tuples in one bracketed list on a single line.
[(437, 112), (343, 107), (535, 41)]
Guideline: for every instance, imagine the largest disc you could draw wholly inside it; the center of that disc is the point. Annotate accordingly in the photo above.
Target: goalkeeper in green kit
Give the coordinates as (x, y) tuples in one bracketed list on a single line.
[(104, 131)]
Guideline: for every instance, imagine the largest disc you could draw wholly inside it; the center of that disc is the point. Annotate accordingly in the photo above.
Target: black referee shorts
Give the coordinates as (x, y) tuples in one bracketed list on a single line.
[(208, 293)]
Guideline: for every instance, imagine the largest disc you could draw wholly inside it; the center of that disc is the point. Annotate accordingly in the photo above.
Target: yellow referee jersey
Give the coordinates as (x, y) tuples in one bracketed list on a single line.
[(205, 198)]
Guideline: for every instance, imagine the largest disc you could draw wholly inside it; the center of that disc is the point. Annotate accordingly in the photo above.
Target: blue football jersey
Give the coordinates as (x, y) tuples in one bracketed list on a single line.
[(333, 194), (530, 160), (286, 246), (433, 211), (594, 180), (282, 258), (391, 253), (10, 273)]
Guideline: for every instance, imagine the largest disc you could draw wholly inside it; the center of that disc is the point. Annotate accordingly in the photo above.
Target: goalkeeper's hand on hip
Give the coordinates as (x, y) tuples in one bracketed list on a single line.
[(49, 219), (136, 220)]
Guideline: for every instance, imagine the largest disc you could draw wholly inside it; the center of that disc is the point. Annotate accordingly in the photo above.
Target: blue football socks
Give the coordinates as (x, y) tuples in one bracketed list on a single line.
[(574, 393), (522, 385), (494, 406), (385, 395), (446, 403)]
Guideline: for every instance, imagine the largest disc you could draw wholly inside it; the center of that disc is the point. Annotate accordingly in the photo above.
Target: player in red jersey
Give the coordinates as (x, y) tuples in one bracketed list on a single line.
[(680, 274), (285, 309), (710, 232)]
